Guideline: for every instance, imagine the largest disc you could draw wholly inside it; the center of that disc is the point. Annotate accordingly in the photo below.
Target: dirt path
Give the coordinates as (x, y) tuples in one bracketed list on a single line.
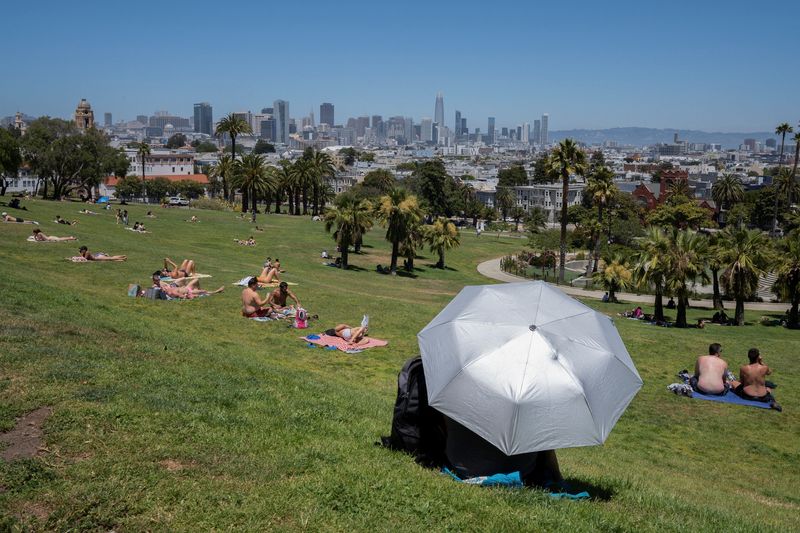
[(25, 440)]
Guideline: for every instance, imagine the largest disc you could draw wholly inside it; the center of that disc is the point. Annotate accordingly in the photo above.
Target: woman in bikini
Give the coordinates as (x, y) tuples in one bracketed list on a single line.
[(187, 291), (100, 256), (268, 275), (350, 334), (174, 271), (41, 237)]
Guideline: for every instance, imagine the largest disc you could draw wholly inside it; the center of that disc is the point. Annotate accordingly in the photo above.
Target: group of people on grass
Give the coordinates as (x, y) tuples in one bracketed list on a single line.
[(711, 377)]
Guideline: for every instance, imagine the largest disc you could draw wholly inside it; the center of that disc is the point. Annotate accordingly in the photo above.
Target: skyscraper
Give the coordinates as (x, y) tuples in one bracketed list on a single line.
[(537, 132), (545, 118), (426, 130), (107, 120), (203, 120), (490, 132), (526, 132), (464, 130), (281, 116), (438, 114), (326, 114), (458, 124)]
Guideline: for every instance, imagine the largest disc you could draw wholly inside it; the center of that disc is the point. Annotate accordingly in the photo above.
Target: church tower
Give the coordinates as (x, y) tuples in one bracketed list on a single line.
[(84, 116)]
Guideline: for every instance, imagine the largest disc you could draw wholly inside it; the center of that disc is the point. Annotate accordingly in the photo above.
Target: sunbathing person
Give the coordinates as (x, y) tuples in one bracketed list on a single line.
[(268, 275), (41, 237), (350, 334), (753, 383), (277, 298), (139, 227), (173, 271), (252, 304), (60, 220), (100, 256), (249, 242), (86, 212), (8, 218), (150, 215), (709, 373), (186, 291), (193, 219)]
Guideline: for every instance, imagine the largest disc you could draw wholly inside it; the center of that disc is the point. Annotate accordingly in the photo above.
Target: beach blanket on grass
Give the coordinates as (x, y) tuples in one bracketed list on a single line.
[(684, 389), (77, 259), (514, 481), (341, 344)]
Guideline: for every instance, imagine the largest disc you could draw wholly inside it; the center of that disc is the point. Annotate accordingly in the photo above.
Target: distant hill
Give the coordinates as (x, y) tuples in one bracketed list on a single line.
[(647, 136)]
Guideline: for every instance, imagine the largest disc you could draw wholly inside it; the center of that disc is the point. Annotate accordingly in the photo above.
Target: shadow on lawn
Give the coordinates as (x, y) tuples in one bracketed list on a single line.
[(596, 492)]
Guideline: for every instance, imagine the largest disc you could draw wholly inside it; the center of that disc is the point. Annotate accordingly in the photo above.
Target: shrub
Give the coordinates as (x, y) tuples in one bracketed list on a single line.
[(214, 204)]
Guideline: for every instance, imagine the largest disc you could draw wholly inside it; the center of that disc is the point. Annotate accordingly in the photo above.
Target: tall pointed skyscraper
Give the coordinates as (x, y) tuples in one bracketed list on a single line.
[(438, 115)]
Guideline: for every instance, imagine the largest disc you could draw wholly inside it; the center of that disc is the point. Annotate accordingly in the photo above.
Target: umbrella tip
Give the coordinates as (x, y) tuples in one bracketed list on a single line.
[(532, 327)]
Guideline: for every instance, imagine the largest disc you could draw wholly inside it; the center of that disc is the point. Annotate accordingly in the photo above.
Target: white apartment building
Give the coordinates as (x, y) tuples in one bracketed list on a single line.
[(548, 197), (162, 163)]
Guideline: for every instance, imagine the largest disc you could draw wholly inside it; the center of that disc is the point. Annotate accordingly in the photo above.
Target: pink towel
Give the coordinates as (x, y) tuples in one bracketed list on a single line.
[(341, 344)]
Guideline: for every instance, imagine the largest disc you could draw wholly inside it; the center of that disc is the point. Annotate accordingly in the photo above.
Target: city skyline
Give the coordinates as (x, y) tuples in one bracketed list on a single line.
[(714, 67)]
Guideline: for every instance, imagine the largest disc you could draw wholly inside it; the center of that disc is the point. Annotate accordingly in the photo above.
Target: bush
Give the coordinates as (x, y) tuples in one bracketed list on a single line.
[(580, 256), (214, 204)]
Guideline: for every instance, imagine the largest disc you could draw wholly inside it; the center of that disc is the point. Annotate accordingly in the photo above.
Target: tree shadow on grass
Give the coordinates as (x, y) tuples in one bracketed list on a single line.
[(355, 268), (434, 267)]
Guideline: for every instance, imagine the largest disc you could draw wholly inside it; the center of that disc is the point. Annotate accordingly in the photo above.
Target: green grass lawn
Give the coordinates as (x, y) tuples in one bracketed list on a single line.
[(185, 416)]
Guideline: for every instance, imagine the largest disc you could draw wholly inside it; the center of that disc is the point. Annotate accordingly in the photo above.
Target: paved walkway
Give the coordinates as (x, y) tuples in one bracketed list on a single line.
[(491, 269)]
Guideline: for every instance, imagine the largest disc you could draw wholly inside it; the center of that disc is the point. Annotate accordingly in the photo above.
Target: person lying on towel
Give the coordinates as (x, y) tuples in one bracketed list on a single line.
[(709, 373), (753, 381), (182, 289), (350, 334)]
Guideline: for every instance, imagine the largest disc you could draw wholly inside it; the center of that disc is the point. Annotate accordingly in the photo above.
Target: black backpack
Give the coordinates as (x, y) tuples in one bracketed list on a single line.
[(417, 428)]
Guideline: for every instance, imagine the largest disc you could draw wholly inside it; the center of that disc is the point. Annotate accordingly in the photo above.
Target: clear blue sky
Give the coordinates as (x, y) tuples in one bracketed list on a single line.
[(716, 66)]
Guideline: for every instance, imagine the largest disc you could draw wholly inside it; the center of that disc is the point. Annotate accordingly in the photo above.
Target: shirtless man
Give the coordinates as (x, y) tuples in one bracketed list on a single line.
[(709, 373), (753, 384), (86, 254), (277, 298), (41, 237), (8, 218), (252, 304)]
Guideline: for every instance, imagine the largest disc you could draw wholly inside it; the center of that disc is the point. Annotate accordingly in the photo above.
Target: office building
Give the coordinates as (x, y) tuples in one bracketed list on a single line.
[(281, 116), (458, 124), (141, 119), (107, 120), (203, 118), (426, 130), (438, 114), (326, 114), (464, 130), (525, 135), (537, 132), (490, 132), (543, 133), (267, 128), (504, 132)]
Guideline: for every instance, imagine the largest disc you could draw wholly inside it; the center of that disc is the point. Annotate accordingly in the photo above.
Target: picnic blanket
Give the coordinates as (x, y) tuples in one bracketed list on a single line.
[(341, 344), (77, 259), (684, 389)]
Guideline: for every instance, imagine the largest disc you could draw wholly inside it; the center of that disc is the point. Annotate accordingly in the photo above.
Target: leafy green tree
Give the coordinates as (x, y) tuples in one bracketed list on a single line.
[(129, 187), (397, 211), (431, 181), (206, 147), (263, 147), (381, 180), (788, 270), (680, 213), (352, 217), (350, 155), (189, 188), (233, 126), (45, 156), (726, 192), (512, 176), (286, 183), (412, 242), (744, 255), (786, 187), (782, 130), (367, 157), (157, 188), (10, 159), (177, 140), (223, 171), (542, 171), (687, 264), (565, 159), (254, 179), (441, 236), (614, 277), (303, 175), (535, 221), (651, 266)]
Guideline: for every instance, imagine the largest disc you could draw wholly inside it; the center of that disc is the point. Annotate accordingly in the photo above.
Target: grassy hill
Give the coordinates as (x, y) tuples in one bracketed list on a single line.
[(185, 416)]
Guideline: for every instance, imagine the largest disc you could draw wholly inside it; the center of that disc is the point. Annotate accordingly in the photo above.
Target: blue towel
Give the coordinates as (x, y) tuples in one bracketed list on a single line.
[(730, 397), (511, 480), (312, 337)]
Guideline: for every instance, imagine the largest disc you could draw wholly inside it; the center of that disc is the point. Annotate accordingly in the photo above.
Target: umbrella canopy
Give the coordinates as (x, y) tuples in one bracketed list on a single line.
[(527, 367)]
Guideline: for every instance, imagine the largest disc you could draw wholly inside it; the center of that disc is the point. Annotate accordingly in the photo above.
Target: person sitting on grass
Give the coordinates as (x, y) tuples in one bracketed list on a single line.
[(249, 242), (752, 384), (41, 237), (187, 291), (16, 220), (268, 275), (171, 270), (60, 220), (277, 299), (709, 373), (150, 215), (137, 226), (193, 219), (252, 304), (720, 317), (352, 335), (100, 256)]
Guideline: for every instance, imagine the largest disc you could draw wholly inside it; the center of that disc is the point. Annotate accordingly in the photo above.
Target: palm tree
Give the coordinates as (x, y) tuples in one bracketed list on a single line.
[(786, 186), (727, 191), (324, 168), (680, 188), (715, 242), (744, 254), (789, 275), (284, 181), (782, 129), (687, 264), (302, 178), (505, 199), (143, 150), (615, 277), (410, 245), (600, 187), (223, 169), (233, 126), (441, 236), (352, 218), (254, 179), (396, 212), (652, 265), (565, 159), (796, 140)]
